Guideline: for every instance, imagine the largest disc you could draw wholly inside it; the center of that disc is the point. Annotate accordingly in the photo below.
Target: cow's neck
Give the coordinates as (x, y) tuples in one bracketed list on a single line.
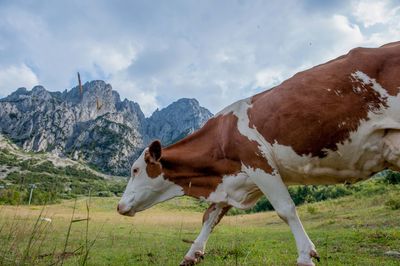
[(193, 164)]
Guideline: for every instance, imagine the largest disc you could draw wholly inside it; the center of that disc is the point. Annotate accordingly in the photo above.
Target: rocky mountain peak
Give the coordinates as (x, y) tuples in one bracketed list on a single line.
[(93, 125), (38, 89), (177, 120)]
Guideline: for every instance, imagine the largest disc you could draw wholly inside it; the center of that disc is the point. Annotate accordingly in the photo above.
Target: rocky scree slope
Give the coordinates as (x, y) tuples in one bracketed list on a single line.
[(93, 125)]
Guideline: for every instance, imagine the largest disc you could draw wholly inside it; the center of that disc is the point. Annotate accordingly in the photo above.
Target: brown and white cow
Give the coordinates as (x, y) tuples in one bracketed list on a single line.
[(338, 122)]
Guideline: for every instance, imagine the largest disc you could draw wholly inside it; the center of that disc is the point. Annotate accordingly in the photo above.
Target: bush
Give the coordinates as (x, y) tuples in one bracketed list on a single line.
[(7, 159), (80, 173), (262, 204), (105, 194), (392, 177), (10, 196)]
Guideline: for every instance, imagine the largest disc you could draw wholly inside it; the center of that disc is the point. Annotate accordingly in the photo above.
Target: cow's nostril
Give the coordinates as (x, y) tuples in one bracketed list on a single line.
[(121, 208)]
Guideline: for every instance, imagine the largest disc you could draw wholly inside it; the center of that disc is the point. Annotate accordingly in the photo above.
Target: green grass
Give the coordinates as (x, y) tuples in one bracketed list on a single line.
[(353, 230)]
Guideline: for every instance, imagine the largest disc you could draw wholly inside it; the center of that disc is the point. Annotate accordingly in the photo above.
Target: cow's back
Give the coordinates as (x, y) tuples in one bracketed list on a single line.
[(317, 109)]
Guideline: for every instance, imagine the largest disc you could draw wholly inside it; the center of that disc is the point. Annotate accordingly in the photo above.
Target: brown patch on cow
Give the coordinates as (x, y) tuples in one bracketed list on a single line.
[(153, 167), (222, 214), (283, 218), (212, 208), (317, 109), (155, 150), (199, 162)]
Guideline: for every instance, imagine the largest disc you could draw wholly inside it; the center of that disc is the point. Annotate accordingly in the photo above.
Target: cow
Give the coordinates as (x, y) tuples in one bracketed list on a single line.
[(338, 122)]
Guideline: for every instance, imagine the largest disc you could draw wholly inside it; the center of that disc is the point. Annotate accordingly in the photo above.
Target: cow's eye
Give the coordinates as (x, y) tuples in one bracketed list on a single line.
[(135, 171)]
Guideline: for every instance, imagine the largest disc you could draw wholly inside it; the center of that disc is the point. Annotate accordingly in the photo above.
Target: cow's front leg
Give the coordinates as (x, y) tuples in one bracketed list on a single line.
[(276, 192), (211, 218)]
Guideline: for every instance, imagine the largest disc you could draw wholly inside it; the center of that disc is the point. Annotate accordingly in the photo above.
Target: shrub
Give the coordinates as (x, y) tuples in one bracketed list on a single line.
[(105, 194), (392, 177), (11, 196), (262, 205)]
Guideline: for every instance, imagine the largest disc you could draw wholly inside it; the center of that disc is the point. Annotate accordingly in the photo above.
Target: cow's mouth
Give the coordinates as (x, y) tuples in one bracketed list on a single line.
[(130, 213), (123, 210)]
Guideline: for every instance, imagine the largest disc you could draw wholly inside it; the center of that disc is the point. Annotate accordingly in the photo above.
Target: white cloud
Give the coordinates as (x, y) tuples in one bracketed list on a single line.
[(268, 77), (127, 88), (349, 32), (384, 15), (13, 77), (148, 102), (111, 58), (371, 12), (348, 35)]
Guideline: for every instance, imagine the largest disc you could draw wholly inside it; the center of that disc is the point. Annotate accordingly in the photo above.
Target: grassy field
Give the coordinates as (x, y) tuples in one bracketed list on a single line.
[(353, 230)]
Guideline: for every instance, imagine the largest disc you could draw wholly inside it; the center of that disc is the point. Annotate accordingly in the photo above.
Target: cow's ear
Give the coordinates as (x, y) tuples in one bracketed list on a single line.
[(155, 150)]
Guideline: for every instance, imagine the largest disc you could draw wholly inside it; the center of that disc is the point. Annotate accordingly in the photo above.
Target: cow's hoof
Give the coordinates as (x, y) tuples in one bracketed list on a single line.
[(189, 261), (314, 254), (199, 256)]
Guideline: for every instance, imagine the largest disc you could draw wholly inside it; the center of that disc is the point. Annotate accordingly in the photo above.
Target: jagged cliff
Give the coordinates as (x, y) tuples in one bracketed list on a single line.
[(93, 125)]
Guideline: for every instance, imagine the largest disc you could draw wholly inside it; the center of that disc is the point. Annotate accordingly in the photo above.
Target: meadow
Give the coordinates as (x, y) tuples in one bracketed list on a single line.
[(358, 229)]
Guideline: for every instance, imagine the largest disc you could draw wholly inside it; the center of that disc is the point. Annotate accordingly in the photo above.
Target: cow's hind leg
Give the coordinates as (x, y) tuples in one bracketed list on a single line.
[(211, 218), (276, 192), (391, 150)]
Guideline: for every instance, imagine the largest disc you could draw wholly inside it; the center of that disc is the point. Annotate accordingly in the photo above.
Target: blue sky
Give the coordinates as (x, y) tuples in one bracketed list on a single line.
[(155, 52)]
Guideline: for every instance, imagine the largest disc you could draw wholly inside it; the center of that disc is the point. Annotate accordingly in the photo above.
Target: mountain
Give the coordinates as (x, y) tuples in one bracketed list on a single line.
[(177, 120), (93, 125)]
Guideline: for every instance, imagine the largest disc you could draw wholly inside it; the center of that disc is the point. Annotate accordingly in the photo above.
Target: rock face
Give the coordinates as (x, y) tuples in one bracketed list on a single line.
[(177, 120), (95, 125)]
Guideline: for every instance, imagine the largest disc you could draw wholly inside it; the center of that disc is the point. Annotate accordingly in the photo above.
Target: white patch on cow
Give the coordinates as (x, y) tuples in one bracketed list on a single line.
[(366, 80), (357, 158), (239, 109), (342, 124), (238, 191), (235, 108), (142, 191), (338, 92), (357, 90)]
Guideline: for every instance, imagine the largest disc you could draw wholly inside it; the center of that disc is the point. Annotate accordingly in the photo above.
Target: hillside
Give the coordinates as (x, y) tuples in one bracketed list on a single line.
[(94, 124), (53, 177)]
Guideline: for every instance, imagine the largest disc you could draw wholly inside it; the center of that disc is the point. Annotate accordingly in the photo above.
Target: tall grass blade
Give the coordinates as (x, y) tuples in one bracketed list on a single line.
[(68, 233)]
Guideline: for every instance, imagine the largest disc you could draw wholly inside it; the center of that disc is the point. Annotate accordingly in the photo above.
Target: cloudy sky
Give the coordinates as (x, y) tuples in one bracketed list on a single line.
[(155, 52)]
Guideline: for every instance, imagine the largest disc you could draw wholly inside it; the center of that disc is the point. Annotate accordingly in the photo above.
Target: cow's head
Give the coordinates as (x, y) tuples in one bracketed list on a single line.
[(147, 185)]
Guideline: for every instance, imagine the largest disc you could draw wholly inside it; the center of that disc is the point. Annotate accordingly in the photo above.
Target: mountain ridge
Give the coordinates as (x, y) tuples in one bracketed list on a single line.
[(94, 124)]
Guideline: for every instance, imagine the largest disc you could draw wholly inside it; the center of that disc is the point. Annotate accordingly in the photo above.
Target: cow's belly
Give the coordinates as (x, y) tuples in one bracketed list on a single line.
[(238, 191), (355, 160)]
